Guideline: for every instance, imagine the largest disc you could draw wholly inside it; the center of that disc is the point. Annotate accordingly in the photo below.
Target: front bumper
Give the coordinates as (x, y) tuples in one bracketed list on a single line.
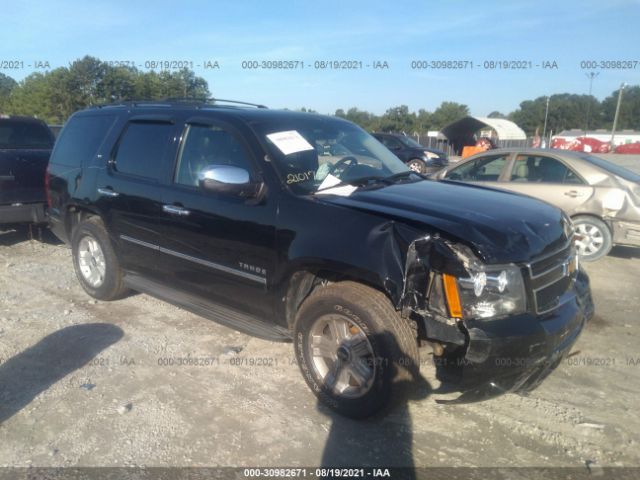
[(517, 353), (22, 213), (626, 233)]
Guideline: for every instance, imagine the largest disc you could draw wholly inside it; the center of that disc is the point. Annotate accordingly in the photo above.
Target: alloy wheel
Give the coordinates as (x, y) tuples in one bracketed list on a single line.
[(342, 356), (91, 261)]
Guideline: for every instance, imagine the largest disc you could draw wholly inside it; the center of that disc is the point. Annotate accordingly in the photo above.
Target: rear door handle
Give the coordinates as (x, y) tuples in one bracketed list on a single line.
[(573, 194), (108, 192), (175, 210)]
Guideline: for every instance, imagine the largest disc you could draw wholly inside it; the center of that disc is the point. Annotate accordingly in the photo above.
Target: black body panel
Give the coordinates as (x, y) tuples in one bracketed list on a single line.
[(25, 147)]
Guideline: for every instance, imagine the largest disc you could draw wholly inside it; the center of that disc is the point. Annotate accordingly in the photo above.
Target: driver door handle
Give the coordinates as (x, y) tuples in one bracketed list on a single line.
[(574, 194), (175, 210)]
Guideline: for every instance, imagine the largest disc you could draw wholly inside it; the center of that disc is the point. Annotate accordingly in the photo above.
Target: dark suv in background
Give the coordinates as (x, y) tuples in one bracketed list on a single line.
[(418, 158), (245, 216)]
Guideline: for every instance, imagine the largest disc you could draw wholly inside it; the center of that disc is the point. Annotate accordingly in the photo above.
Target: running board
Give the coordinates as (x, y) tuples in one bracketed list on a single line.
[(224, 315)]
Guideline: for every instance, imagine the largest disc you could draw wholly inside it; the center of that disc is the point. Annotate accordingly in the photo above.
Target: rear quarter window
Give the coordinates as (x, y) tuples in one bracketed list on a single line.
[(81, 138)]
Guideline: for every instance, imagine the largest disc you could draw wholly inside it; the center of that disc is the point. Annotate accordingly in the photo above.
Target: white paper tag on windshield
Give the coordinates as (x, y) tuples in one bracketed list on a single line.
[(289, 142), (327, 184)]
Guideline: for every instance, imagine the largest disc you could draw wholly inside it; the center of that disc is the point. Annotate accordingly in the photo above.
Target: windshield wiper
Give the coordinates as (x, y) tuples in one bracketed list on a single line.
[(373, 180), (356, 182), (406, 173)]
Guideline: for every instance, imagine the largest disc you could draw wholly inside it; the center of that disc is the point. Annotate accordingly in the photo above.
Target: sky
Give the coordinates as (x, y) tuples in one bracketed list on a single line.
[(367, 33)]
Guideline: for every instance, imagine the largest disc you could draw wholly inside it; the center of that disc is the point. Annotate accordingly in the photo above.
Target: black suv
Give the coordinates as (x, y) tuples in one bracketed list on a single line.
[(231, 212), (418, 158)]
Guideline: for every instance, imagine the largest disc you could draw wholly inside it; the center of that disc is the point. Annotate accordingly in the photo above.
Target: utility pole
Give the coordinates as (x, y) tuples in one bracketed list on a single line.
[(615, 117), (544, 130), (590, 76)]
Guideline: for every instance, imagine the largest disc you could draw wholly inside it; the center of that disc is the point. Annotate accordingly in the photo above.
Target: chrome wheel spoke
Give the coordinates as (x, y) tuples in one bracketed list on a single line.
[(331, 379), (360, 371), (339, 330), (323, 347)]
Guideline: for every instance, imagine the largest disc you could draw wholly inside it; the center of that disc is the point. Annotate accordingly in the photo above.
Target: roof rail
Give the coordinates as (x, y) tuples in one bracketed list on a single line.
[(167, 102), (216, 100), (132, 103)]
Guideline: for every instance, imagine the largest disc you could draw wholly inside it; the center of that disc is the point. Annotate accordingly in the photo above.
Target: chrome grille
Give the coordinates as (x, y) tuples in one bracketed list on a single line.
[(550, 277)]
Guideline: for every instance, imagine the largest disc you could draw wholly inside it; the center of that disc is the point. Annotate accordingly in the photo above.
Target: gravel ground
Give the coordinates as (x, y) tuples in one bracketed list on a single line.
[(87, 383)]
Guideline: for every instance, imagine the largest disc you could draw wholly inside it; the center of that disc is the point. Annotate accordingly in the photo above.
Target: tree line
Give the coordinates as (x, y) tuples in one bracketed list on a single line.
[(53, 96), (566, 111), (56, 94)]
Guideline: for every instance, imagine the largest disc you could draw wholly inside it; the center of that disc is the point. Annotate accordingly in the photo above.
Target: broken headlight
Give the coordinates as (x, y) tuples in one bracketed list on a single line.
[(488, 292), (492, 292)]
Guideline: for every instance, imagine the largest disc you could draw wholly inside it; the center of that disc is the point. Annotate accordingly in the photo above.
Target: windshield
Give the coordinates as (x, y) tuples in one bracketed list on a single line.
[(20, 134), (410, 142), (612, 168), (306, 149)]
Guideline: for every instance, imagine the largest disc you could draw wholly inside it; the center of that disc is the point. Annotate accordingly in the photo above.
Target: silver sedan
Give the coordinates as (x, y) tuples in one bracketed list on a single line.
[(602, 198)]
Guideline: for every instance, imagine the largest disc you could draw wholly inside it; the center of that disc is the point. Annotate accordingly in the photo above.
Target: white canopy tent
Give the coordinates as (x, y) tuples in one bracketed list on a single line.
[(461, 132)]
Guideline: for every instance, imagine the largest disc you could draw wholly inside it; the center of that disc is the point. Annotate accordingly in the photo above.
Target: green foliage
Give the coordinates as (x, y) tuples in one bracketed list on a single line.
[(447, 113), (7, 84), (400, 119), (366, 120), (629, 117), (55, 95), (566, 111)]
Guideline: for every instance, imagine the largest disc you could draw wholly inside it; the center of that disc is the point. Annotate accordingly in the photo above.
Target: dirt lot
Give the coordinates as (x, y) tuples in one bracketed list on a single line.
[(89, 383)]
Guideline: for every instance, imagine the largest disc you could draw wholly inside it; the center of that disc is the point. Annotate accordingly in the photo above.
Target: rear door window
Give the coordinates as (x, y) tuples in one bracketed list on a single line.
[(391, 143), (541, 169), (142, 148), (81, 138)]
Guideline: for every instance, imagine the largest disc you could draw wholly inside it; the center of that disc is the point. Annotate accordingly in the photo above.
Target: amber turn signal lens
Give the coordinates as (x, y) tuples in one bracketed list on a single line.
[(453, 297)]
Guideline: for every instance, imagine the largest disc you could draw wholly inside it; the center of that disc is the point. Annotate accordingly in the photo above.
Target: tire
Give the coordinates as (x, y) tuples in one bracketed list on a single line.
[(417, 165), (597, 242), (374, 336), (95, 262)]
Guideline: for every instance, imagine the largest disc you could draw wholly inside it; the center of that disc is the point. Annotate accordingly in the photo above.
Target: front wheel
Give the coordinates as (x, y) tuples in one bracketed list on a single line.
[(417, 165), (594, 240), (355, 351)]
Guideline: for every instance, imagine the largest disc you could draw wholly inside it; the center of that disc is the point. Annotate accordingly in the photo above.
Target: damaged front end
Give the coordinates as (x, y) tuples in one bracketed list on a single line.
[(494, 328)]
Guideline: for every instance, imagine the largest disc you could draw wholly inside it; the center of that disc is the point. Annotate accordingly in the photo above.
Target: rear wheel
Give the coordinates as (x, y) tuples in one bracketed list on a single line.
[(355, 351), (95, 262), (594, 240)]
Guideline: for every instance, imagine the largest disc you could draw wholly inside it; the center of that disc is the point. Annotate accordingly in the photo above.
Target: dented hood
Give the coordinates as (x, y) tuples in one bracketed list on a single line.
[(502, 227)]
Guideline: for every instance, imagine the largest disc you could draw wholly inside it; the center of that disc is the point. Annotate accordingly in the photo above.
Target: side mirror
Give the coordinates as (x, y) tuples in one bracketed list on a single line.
[(229, 180)]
